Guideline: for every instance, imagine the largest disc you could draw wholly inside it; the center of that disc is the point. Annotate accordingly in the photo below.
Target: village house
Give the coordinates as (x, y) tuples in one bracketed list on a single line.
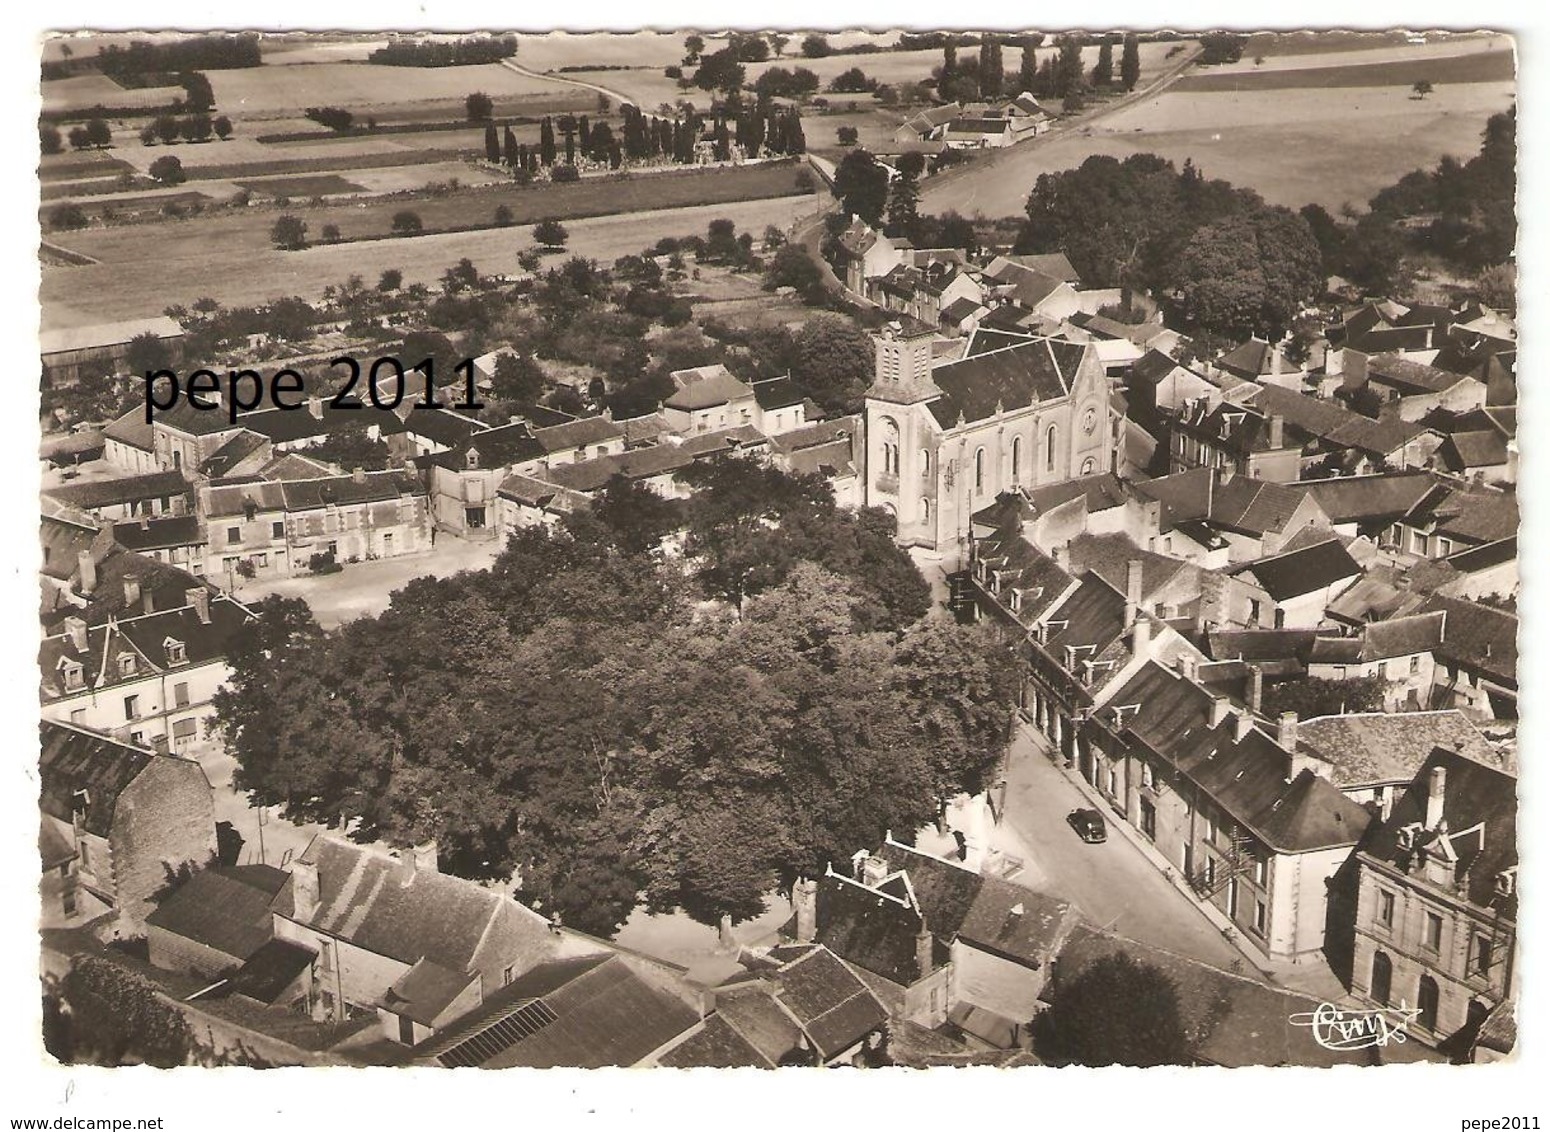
[(465, 478), (1398, 651), (176, 540), (215, 921), (1206, 433), (938, 942), (1453, 516), (1244, 814), (129, 444), (1436, 915), (1481, 445), (1368, 505), (395, 936), (1477, 660), (1221, 517), (1289, 589), (120, 819), (944, 440), (1373, 756), (1264, 363), (1344, 441), (930, 123), (146, 678), (1390, 384), (276, 527), (1047, 297), (128, 497), (101, 351), (867, 255), (709, 399), (832, 449)]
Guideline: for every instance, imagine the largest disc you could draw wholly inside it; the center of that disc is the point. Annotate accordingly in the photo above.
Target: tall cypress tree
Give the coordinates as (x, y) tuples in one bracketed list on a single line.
[(949, 71), (1103, 71), (1068, 70), (1130, 61), (1028, 72), (992, 77), (511, 147), (546, 142), (585, 130), (492, 144)]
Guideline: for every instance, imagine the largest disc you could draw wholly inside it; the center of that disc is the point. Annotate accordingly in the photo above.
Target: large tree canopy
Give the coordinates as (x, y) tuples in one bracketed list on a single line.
[(1116, 1011), (579, 715)]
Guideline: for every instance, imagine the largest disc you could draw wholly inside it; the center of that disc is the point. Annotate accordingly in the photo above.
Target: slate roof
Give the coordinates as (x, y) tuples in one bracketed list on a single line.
[(635, 463), (1110, 556), (1334, 424), (1475, 514), (776, 393), (162, 533), (131, 429), (1472, 793), (239, 447), (425, 991), (1478, 637), (1462, 451), (383, 905), (1010, 378), (715, 1045), (1238, 503), (126, 489), (874, 930), (1302, 571), (270, 970), (1246, 777), (960, 309), (751, 1009), (1375, 747), (1411, 377), (1029, 287), (73, 759), (586, 1012), (497, 447), (1053, 264), (644, 430), (1256, 358), (577, 433), (443, 426), (831, 1004), (224, 909), (1350, 499), (1277, 651)]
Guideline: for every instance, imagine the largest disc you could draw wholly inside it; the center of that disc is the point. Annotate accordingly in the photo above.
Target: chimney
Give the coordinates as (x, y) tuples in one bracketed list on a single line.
[(1277, 431), (304, 889), (315, 407), (424, 857), (1256, 687), (1219, 709), (88, 568), (145, 522), (147, 601), (874, 870), (804, 902), (1188, 666), (358, 475), (858, 861), (1140, 637), (1132, 590), (1244, 724), (159, 744), (1062, 556), (923, 949), (1286, 731), (1436, 789), (131, 592), (199, 598), (77, 630)]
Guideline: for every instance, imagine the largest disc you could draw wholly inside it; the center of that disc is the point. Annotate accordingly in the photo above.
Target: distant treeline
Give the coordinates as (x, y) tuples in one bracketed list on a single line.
[(460, 53), (205, 52)]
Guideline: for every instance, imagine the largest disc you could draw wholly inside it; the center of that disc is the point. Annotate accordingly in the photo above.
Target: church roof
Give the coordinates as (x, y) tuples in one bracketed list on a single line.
[(975, 388)]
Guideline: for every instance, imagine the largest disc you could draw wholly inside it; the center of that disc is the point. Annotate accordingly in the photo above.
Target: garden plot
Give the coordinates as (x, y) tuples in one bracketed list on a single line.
[(258, 91)]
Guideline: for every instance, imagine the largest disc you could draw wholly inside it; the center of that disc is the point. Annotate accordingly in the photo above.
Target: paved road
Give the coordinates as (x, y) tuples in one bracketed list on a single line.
[(1113, 884)]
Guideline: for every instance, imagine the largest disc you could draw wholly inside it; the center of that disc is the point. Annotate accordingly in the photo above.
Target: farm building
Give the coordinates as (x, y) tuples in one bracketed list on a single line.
[(99, 351)]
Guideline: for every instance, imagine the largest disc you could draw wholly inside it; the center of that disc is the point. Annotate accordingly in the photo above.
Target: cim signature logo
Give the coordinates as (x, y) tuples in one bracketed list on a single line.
[(1339, 1029)]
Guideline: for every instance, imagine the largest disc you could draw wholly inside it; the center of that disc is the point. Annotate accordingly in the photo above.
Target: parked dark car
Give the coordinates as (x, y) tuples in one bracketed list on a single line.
[(1088, 825)]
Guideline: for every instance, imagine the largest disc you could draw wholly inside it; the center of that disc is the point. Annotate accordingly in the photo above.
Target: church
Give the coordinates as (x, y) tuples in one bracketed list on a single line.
[(945, 437)]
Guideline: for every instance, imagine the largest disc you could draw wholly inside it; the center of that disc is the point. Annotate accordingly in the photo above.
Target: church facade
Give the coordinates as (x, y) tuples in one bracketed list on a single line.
[(944, 438)]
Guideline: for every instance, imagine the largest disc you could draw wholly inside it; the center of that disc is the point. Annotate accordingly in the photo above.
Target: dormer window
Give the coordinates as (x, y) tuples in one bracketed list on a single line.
[(72, 674), (177, 652), (472, 459), (126, 664), (1016, 601), (1506, 883), (80, 801)]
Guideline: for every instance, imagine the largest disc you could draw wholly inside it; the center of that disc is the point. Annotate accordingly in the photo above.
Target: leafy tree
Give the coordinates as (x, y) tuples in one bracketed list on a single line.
[(146, 353), (49, 139), (80, 137), (550, 234), (815, 46), (1249, 274), (1497, 286), (1422, 88), (1115, 1012), (1221, 47), (98, 134), (289, 232), (833, 361), (222, 127), (791, 266), (116, 1018), (904, 199), (862, 186), (503, 217), (720, 71), (197, 128), (694, 47), (629, 516), (1314, 696), (407, 223), (479, 106), (168, 170), (390, 280), (351, 446), (330, 233), (1130, 61), (1068, 67), (167, 128), (518, 378), (852, 81)]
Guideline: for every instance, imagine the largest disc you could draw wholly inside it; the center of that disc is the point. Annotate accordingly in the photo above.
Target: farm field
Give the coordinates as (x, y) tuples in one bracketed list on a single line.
[(82, 92), (285, 53), (1285, 48), (1246, 138), (79, 166), (201, 262), (259, 91), (317, 184), (1474, 67), (554, 50)]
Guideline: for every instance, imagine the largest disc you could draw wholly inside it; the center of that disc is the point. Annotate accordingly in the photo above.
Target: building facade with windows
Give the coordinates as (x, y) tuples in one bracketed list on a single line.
[(944, 439), (1436, 909)]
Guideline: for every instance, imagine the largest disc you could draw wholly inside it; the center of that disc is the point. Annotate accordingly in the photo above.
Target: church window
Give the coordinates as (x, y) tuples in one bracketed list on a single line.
[(979, 471), (1049, 448), (1017, 458)]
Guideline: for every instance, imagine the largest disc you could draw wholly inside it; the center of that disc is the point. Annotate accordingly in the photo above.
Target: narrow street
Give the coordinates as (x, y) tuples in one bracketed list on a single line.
[(1112, 883)]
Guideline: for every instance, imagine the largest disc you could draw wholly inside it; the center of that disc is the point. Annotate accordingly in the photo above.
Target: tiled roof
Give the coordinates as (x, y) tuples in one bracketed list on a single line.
[(1375, 747), (497, 447), (1053, 264), (1110, 555), (641, 430), (372, 487), (1303, 571), (875, 931), (1030, 287), (1476, 514), (706, 387), (73, 759), (960, 309), (752, 1011), (125, 489), (1011, 378), (270, 970), (831, 1004), (1473, 794), (1409, 376), (1265, 647), (716, 1045), (158, 534), (132, 430), (1348, 499), (384, 905), (106, 334), (1462, 451), (587, 1012), (224, 909), (1256, 358), (442, 426), (1334, 423), (1093, 616), (776, 393), (815, 435), (241, 445), (425, 991)]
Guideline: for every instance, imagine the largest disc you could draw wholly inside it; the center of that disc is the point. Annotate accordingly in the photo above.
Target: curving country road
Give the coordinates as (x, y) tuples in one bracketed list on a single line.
[(958, 188), (619, 99)]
